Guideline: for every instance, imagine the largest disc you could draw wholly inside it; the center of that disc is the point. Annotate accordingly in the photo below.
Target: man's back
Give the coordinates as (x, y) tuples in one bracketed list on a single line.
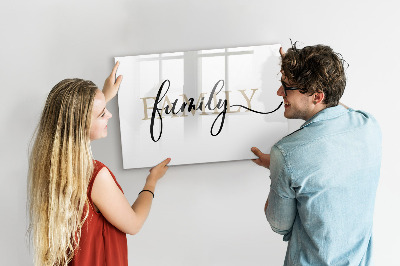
[(326, 173)]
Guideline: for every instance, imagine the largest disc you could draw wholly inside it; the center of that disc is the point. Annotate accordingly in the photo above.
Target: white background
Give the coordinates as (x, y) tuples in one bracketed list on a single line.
[(204, 214)]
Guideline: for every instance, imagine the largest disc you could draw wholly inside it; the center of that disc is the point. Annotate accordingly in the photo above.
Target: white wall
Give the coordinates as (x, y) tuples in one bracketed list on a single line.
[(205, 214)]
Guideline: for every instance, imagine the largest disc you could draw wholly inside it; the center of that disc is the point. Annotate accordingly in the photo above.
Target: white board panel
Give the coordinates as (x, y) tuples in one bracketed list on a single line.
[(199, 106)]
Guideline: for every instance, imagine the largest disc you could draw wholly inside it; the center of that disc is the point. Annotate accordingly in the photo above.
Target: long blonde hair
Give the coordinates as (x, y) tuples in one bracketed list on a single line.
[(60, 167)]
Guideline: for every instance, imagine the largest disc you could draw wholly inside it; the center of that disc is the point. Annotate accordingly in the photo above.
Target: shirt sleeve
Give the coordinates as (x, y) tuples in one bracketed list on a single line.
[(281, 210)]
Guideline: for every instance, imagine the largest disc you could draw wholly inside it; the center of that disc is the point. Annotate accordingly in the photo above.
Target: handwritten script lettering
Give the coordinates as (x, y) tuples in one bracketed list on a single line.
[(172, 107)]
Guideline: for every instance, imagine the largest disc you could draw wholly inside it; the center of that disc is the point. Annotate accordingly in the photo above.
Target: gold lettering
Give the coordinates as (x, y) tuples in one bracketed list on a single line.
[(203, 105), (228, 107), (247, 99), (188, 104), (146, 117)]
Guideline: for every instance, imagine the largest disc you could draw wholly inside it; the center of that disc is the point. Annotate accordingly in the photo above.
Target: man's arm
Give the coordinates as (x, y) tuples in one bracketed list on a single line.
[(262, 160), (280, 208)]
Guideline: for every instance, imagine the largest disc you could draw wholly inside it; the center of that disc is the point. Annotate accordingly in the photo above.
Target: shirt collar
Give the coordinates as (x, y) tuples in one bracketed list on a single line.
[(325, 114)]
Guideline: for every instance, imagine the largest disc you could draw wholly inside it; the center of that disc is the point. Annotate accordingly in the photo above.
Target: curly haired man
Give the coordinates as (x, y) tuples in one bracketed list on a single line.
[(324, 175)]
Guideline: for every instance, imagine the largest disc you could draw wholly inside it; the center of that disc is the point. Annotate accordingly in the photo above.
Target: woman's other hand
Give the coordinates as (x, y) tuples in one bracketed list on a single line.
[(158, 171)]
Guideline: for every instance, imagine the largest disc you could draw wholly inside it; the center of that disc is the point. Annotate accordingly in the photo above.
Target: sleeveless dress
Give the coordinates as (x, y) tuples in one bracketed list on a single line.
[(101, 243)]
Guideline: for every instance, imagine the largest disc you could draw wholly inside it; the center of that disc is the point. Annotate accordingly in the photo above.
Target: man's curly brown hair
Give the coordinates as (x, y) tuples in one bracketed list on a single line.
[(316, 69)]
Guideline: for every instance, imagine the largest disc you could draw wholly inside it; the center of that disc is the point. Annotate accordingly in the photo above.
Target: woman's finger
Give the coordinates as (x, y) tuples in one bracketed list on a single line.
[(119, 80), (166, 161), (114, 71)]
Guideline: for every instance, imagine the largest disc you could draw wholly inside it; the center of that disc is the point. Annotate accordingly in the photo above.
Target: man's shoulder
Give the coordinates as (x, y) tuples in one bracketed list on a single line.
[(367, 117), (313, 131), (361, 122), (293, 141)]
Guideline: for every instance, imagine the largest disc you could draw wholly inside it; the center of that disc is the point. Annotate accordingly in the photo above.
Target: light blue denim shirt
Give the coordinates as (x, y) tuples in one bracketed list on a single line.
[(323, 183)]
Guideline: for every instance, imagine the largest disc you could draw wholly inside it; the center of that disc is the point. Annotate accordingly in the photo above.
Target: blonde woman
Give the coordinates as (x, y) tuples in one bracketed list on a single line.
[(78, 212)]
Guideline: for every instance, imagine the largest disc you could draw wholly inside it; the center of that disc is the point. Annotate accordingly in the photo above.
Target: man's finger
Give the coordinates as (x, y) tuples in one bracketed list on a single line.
[(256, 151), (281, 52), (257, 161)]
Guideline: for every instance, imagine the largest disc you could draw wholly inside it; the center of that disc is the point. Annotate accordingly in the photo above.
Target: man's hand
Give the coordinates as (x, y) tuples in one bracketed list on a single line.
[(263, 158), (281, 52), (111, 85), (345, 106), (266, 206)]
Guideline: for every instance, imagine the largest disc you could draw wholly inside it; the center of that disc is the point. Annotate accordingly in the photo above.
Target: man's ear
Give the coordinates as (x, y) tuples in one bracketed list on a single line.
[(318, 97)]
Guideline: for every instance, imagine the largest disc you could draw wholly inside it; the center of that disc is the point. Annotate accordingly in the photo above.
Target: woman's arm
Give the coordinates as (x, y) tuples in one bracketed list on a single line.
[(114, 206)]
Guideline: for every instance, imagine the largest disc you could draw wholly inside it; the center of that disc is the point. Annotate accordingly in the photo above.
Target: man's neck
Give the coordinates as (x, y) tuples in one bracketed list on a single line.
[(318, 108)]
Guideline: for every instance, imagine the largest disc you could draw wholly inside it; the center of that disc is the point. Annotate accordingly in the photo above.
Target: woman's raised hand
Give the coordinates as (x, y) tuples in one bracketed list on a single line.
[(111, 85)]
